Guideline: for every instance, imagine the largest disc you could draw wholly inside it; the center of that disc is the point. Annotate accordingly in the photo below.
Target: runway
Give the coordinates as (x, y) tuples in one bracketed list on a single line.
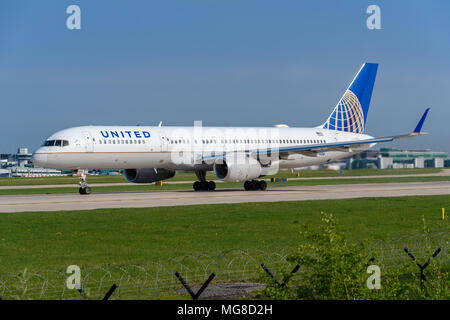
[(76, 201)]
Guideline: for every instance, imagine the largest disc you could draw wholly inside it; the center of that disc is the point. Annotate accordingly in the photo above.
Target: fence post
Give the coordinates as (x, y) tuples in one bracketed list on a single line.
[(195, 296), (422, 268), (274, 278), (110, 292)]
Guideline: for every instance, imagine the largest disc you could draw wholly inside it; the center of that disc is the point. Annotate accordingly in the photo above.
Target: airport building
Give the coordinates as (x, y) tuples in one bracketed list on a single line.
[(19, 165), (391, 158)]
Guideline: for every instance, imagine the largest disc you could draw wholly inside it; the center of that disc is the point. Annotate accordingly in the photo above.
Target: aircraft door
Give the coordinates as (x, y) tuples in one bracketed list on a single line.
[(88, 142), (163, 142)]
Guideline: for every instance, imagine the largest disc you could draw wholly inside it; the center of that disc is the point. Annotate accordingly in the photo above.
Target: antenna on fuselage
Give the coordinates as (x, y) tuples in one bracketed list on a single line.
[(160, 124)]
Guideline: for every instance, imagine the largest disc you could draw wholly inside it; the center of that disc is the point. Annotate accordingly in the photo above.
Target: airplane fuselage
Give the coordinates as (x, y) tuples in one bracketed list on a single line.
[(182, 148)]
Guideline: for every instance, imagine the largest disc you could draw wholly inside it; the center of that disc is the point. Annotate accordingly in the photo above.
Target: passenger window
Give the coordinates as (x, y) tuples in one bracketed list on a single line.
[(58, 143)]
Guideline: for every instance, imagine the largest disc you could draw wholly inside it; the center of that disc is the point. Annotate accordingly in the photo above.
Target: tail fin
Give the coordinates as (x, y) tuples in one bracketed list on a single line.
[(350, 114)]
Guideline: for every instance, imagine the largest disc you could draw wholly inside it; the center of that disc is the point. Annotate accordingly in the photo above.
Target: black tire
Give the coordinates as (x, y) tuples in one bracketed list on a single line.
[(255, 185), (262, 185), (247, 185), (211, 185), (81, 191), (197, 186), (204, 186), (87, 190)]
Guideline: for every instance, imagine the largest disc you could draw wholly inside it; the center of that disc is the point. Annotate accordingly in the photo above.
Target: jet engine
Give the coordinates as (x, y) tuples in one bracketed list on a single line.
[(236, 169), (148, 175)]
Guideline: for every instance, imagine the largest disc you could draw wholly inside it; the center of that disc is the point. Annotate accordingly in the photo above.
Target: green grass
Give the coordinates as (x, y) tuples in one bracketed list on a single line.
[(223, 185), (187, 176), (54, 240)]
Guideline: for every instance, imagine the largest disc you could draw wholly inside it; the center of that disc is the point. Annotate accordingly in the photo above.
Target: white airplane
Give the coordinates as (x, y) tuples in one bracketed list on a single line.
[(149, 154)]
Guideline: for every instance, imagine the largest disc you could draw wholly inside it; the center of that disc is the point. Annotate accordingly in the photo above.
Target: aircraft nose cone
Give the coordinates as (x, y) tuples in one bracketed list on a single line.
[(39, 159)]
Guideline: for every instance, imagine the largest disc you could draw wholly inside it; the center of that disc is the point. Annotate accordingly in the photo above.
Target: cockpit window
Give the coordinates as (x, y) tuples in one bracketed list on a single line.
[(56, 143), (49, 143)]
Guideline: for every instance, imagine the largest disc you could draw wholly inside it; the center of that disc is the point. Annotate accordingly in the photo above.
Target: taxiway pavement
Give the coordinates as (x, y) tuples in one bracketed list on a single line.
[(75, 201)]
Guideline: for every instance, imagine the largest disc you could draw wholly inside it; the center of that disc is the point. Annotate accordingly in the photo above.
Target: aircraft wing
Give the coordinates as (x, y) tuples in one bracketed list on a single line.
[(345, 146)]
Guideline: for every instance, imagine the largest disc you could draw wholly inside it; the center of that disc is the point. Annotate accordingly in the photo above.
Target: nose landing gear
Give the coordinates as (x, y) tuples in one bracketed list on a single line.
[(84, 188)]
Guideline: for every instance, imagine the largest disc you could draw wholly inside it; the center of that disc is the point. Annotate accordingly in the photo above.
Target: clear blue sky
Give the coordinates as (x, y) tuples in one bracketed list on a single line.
[(226, 62)]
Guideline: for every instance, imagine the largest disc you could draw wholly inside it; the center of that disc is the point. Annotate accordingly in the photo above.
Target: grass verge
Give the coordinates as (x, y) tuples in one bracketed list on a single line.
[(54, 240)]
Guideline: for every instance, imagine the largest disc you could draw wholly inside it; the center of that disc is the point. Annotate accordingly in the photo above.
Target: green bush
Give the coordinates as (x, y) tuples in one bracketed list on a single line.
[(333, 268)]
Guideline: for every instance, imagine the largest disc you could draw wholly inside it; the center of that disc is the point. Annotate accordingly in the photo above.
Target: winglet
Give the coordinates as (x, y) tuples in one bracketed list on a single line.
[(420, 124)]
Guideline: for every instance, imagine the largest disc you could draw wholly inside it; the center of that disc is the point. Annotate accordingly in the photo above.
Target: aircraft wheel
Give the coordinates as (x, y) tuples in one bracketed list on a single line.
[(254, 184), (262, 185), (211, 185), (197, 186), (247, 185), (85, 190)]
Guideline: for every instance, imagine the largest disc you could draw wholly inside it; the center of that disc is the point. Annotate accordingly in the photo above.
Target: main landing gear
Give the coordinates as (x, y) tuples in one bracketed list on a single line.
[(84, 188), (203, 185), (255, 185)]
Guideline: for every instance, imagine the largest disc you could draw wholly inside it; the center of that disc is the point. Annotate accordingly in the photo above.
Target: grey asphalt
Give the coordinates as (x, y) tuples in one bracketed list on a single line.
[(76, 201)]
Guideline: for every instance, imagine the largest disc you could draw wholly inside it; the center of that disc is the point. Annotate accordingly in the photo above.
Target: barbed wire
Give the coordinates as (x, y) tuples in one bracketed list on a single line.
[(157, 279), (390, 252)]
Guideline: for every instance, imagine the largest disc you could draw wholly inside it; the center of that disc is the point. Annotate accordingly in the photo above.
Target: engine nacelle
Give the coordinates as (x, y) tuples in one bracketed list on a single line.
[(148, 175), (237, 169)]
